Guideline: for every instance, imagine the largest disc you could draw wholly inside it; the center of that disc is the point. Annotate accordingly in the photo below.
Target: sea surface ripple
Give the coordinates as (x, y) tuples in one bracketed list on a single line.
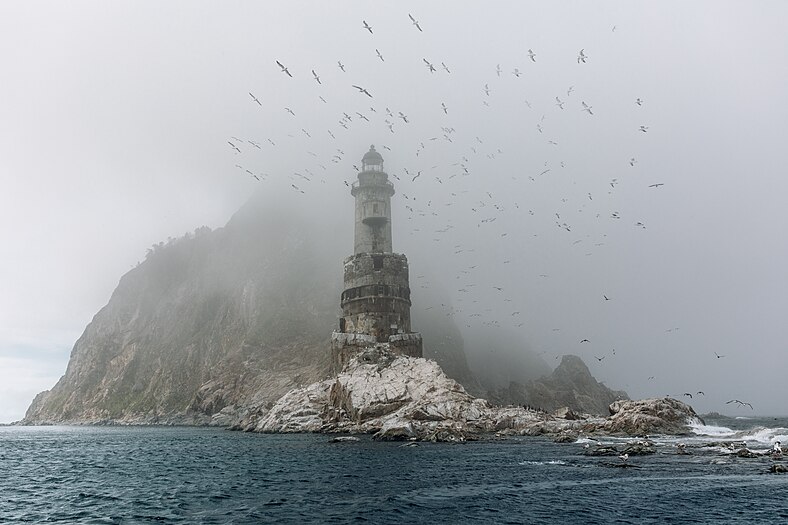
[(129, 475)]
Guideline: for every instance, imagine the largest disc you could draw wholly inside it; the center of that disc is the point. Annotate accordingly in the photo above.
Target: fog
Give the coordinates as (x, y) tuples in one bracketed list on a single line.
[(653, 230)]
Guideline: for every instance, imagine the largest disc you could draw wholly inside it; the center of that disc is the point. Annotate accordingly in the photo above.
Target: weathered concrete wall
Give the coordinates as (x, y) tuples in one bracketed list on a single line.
[(344, 346), (376, 299)]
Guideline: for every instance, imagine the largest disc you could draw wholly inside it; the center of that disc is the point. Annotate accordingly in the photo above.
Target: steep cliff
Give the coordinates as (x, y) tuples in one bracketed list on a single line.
[(570, 385), (212, 321)]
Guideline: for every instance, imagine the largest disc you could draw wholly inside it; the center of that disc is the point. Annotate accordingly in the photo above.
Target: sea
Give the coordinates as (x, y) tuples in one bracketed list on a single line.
[(169, 475)]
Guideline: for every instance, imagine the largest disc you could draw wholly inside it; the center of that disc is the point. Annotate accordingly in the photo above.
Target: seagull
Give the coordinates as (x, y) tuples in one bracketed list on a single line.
[(415, 22), (581, 57), (701, 393), (777, 448), (430, 66), (586, 107), (379, 55), (657, 185), (688, 395), (403, 117), (532, 55), (624, 457), (444, 108), (606, 297), (559, 103), (317, 78), (416, 176), (718, 355), (569, 91), (234, 147), (363, 90), (255, 99), (341, 65), (367, 27), (741, 403), (498, 70), (290, 111), (487, 90), (284, 69), (639, 101), (585, 341), (516, 72), (600, 358), (632, 161), (445, 67), (644, 129)]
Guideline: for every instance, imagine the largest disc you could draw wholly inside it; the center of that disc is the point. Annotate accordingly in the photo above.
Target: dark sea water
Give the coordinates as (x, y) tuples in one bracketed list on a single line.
[(113, 475)]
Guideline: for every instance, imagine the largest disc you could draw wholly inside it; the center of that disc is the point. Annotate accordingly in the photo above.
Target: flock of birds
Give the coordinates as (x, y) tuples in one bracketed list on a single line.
[(460, 159)]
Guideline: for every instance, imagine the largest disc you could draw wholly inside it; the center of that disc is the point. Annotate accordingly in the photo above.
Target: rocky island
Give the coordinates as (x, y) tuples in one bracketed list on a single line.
[(226, 328)]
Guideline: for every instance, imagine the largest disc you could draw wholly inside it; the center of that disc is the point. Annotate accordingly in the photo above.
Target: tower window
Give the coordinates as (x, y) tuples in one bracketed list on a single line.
[(374, 208), (377, 262)]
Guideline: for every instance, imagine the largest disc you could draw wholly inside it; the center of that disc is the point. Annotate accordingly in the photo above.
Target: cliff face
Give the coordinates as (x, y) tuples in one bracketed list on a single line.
[(209, 322), (570, 385)]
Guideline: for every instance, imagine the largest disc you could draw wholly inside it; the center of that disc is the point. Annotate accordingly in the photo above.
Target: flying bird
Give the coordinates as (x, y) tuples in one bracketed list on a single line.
[(585, 341), (255, 99), (532, 55), (415, 22), (317, 78), (403, 117), (341, 65), (363, 90), (379, 55), (559, 103), (586, 107), (657, 185), (430, 66), (290, 111), (445, 67), (688, 395), (284, 69), (600, 358), (516, 72), (234, 147), (718, 355), (632, 161), (444, 108), (740, 403), (582, 56), (367, 27), (644, 129), (498, 70), (639, 102)]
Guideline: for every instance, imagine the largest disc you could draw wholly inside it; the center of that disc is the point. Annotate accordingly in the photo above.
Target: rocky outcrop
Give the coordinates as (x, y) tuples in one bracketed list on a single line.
[(212, 323), (650, 416), (400, 397), (570, 385)]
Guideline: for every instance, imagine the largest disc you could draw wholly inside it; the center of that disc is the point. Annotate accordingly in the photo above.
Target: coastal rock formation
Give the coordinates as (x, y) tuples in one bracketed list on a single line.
[(650, 416), (400, 397), (214, 322), (570, 385)]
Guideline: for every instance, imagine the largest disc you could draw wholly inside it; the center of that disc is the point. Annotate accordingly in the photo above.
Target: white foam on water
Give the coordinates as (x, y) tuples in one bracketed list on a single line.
[(552, 462), (712, 430), (765, 436)]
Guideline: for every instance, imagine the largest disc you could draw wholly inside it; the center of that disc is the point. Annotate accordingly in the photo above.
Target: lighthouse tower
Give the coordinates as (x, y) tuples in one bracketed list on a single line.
[(376, 300)]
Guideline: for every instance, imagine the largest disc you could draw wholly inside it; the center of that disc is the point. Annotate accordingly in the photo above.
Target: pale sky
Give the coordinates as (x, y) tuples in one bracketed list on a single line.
[(115, 119)]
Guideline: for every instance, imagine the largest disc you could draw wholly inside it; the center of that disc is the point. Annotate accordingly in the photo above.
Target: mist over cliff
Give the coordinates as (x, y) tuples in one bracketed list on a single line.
[(216, 319)]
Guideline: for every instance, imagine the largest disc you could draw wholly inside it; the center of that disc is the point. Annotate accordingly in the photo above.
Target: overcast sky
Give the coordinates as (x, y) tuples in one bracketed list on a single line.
[(115, 120)]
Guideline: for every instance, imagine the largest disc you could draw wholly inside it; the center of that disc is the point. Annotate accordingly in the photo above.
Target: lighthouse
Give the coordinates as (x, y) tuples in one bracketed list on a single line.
[(376, 298)]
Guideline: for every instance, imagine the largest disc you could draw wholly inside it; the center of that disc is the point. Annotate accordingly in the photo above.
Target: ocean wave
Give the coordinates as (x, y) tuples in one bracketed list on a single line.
[(552, 462), (712, 430)]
